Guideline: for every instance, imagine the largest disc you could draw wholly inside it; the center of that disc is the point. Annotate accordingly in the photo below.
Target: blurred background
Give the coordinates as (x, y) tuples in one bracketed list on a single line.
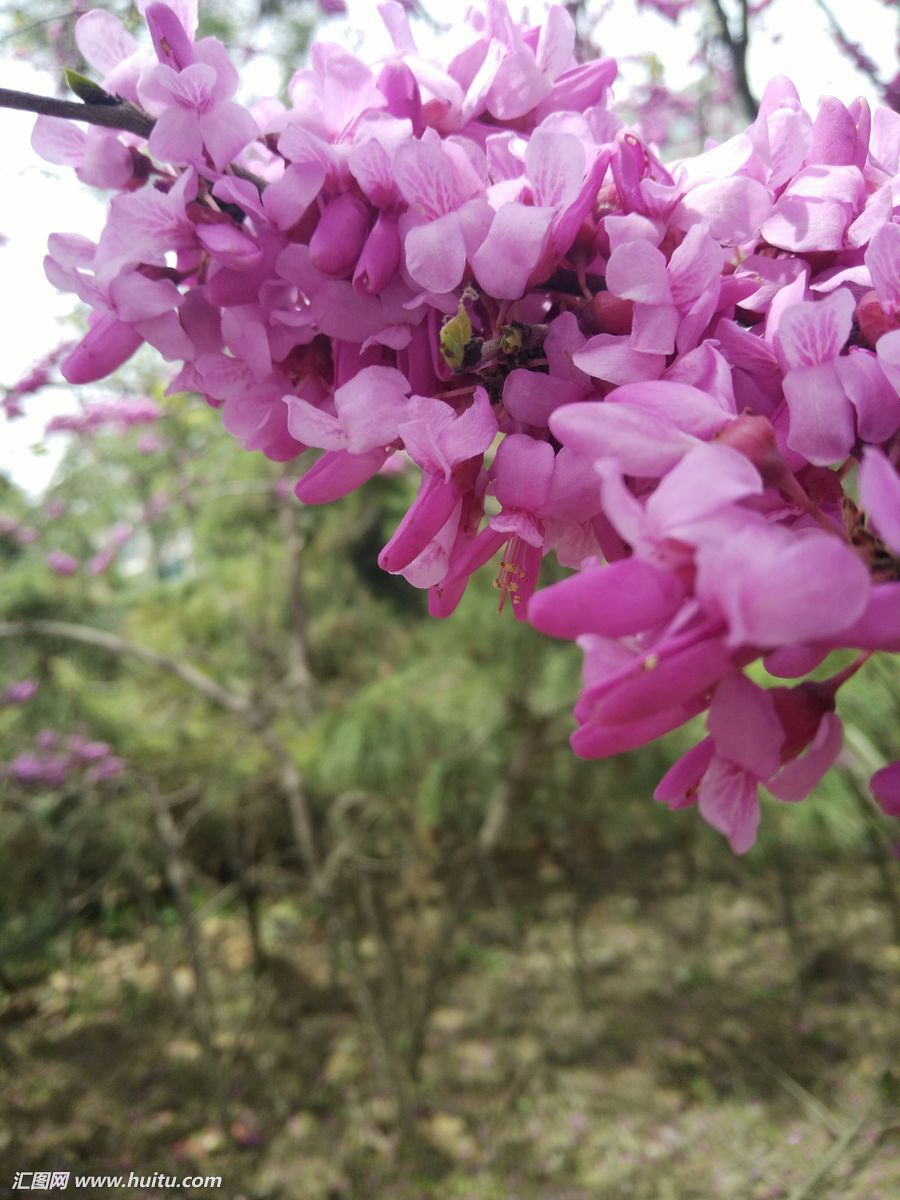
[(301, 888)]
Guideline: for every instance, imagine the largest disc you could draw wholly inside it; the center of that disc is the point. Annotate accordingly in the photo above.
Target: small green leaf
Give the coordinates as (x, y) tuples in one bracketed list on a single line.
[(88, 91), (456, 333)]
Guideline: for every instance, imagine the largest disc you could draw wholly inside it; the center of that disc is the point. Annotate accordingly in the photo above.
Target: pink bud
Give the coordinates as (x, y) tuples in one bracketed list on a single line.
[(885, 787), (171, 43), (109, 344), (340, 236), (398, 86), (379, 257)]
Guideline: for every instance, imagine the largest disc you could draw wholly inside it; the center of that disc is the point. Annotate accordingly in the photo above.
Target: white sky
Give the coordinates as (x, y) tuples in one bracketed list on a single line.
[(36, 198)]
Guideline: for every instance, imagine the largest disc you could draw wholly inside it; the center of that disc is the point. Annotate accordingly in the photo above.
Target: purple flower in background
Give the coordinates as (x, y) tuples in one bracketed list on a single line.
[(18, 693), (61, 563), (885, 787)]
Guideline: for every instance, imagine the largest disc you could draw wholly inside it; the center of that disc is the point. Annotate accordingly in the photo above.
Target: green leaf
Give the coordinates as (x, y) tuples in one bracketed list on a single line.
[(88, 91), (456, 333)]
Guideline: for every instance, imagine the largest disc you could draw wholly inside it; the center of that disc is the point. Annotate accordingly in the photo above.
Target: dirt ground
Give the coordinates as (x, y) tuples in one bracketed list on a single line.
[(650, 1043)]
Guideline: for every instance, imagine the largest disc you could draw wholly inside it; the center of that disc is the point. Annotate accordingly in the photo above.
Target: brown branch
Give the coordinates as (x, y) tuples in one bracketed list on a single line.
[(113, 116), (111, 642), (737, 49), (298, 680)]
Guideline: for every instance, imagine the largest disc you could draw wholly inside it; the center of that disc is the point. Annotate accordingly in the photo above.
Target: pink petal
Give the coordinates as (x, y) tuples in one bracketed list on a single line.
[(678, 787), (694, 266), (136, 298), (602, 740), (815, 331), (640, 443), (554, 163), (637, 271), (728, 800), (801, 224), (653, 328), (176, 136), (370, 165), (792, 662), (883, 261), (745, 726), (888, 350), (613, 360), (687, 407), (821, 417), (772, 592), (103, 40), (107, 162), (885, 787), (656, 682), (287, 199), (227, 129), (371, 406), (727, 475), (337, 473), (556, 42), (104, 348), (438, 439), (868, 389), (834, 135), (522, 471), (732, 209), (518, 86), (313, 426), (425, 176), (512, 249), (798, 778), (878, 626), (436, 254), (531, 397), (58, 141), (622, 598), (426, 516), (430, 566), (879, 492)]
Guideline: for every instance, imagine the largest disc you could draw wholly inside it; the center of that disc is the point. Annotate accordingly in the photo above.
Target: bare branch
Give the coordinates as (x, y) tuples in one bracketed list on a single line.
[(737, 49), (113, 116), (114, 644)]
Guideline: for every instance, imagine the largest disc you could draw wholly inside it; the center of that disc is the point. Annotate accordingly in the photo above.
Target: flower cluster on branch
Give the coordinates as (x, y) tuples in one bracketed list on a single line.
[(667, 376)]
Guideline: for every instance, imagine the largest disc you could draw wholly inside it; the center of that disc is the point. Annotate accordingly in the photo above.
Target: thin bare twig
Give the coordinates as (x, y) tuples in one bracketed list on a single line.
[(103, 640), (833, 1155), (737, 48)]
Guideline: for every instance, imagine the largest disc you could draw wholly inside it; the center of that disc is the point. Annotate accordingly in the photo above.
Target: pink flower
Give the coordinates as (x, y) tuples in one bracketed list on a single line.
[(756, 737), (61, 563), (193, 100), (885, 787)]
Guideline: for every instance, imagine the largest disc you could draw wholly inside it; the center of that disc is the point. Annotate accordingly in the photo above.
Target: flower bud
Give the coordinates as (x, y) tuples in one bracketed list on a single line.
[(340, 236), (103, 349), (379, 257)]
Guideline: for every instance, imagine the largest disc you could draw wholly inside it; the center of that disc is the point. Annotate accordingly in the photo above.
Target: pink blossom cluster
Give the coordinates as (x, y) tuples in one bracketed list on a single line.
[(59, 561), (118, 415), (35, 378), (684, 381), (54, 761)]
